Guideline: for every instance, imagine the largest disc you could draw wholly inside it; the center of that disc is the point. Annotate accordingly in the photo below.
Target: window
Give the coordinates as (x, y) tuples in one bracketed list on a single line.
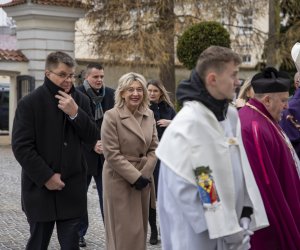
[(246, 58), (246, 22)]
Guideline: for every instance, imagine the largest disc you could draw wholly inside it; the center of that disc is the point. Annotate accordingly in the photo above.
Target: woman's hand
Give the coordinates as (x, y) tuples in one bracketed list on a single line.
[(141, 183), (163, 122)]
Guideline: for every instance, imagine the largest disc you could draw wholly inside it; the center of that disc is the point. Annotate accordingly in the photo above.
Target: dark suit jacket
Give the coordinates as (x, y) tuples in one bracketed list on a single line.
[(94, 160), (46, 141)]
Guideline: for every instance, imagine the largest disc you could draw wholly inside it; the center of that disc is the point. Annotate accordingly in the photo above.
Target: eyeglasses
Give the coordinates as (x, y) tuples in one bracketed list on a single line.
[(64, 75), (138, 90)]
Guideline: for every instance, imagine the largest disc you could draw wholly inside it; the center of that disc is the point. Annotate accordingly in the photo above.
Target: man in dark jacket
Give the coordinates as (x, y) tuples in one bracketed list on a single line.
[(50, 125), (101, 99)]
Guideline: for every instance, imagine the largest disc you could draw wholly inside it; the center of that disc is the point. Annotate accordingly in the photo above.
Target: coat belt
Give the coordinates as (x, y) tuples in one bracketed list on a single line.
[(141, 160)]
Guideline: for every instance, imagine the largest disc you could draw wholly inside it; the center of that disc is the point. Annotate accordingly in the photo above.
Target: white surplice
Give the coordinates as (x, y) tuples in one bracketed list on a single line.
[(196, 138)]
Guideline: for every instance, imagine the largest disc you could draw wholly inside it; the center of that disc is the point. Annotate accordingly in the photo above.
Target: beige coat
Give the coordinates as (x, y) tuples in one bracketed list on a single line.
[(129, 142)]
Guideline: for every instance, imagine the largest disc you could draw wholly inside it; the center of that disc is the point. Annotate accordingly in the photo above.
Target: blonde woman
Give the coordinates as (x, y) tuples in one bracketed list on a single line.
[(129, 140), (246, 92)]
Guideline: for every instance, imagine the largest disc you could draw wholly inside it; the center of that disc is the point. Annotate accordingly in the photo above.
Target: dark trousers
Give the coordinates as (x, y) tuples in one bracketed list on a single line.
[(84, 222), (156, 176), (41, 232), (152, 212)]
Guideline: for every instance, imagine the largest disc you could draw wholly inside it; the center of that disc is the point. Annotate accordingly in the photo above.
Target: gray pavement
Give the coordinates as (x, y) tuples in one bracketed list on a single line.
[(14, 229)]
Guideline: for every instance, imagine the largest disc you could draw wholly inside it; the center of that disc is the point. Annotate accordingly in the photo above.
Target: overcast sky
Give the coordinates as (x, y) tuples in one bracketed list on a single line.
[(2, 13), (4, 1)]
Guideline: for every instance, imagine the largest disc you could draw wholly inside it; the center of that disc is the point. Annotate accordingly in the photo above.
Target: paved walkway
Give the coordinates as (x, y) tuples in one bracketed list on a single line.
[(13, 225)]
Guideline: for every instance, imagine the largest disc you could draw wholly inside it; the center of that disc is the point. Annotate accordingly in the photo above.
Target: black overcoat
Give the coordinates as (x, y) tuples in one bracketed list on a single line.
[(46, 141), (94, 160)]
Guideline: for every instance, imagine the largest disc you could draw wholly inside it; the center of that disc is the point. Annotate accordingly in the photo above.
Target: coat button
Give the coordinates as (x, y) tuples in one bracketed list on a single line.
[(65, 144)]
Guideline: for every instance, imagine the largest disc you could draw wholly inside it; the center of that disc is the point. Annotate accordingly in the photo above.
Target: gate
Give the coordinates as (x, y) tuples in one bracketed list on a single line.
[(25, 84)]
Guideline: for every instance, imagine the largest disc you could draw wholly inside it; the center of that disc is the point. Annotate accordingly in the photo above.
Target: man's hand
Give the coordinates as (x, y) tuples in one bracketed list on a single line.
[(66, 103), (98, 148), (234, 241), (55, 183), (245, 224)]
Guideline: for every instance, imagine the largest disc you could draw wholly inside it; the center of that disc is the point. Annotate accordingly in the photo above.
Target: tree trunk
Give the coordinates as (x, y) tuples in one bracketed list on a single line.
[(272, 52), (167, 28)]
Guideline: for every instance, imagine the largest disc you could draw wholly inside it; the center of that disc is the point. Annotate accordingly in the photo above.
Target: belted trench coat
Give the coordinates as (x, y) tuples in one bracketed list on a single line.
[(129, 143)]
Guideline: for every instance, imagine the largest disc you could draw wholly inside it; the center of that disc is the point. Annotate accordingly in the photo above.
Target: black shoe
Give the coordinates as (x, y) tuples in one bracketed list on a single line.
[(153, 238), (82, 242)]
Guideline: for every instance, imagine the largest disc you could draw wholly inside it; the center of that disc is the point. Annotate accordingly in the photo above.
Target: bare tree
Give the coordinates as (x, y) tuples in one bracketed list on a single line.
[(272, 53), (144, 32)]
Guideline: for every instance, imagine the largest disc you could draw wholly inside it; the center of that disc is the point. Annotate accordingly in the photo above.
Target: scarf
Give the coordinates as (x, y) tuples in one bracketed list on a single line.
[(194, 89), (96, 99)]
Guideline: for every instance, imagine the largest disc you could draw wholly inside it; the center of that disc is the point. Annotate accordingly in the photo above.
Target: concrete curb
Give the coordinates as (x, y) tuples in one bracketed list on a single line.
[(5, 140)]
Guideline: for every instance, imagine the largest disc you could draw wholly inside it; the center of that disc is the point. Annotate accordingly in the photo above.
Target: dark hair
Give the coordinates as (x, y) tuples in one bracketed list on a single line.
[(94, 65), (215, 57), (54, 58)]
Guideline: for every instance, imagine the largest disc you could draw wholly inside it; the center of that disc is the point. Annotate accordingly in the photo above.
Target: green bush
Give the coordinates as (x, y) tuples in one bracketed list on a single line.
[(199, 37)]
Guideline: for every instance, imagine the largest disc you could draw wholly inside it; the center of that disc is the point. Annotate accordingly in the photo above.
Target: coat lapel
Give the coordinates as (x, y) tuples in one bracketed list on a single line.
[(131, 123)]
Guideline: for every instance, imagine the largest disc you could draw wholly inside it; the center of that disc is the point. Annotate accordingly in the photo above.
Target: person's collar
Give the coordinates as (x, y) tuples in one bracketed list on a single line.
[(53, 88), (194, 89), (260, 106), (100, 91), (125, 112)]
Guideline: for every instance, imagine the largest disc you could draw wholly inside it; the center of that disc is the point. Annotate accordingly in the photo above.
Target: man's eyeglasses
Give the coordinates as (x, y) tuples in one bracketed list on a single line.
[(64, 76)]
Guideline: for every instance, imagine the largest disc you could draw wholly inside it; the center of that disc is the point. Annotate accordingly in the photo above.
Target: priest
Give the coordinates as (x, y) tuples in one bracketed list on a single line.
[(273, 161)]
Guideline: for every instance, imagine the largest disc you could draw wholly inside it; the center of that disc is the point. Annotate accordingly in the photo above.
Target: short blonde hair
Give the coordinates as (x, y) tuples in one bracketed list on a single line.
[(124, 82)]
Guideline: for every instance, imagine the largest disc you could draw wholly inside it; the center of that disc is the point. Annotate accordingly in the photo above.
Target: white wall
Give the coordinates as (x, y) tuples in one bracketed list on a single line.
[(42, 29)]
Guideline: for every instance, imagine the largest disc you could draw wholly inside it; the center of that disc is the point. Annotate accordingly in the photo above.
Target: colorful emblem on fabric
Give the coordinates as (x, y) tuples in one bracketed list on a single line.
[(206, 187)]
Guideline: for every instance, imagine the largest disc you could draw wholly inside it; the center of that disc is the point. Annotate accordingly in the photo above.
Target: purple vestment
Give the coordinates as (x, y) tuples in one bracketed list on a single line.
[(275, 172), (290, 121)]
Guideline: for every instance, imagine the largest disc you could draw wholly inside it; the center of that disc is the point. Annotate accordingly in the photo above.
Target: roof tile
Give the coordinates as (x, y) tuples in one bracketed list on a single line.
[(12, 55), (13, 3)]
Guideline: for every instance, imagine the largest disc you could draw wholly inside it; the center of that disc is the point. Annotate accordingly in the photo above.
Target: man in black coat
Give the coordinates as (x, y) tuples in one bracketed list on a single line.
[(50, 126), (101, 99)]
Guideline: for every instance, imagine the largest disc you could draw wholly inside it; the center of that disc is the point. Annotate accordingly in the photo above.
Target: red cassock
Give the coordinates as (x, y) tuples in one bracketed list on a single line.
[(276, 175)]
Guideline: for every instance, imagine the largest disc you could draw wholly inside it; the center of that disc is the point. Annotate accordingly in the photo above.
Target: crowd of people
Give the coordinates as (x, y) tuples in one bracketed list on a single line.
[(221, 174)]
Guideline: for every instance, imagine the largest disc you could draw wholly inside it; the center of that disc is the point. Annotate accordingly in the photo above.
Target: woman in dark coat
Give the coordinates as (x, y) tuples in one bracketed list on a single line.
[(164, 112)]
